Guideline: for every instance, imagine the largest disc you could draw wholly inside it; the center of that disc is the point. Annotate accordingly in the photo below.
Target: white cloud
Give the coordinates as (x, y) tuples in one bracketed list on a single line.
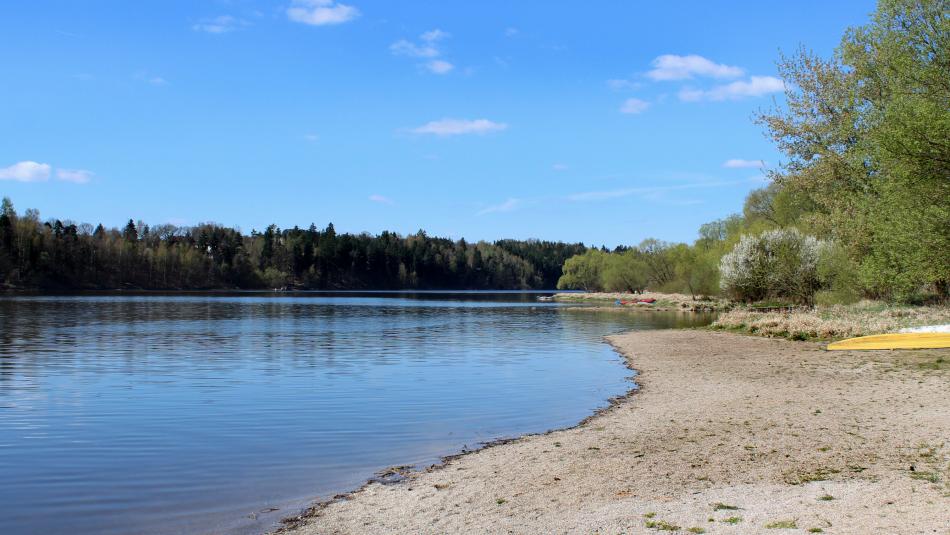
[(739, 163), (618, 84), (313, 138), (77, 176), (381, 199), (511, 31), (507, 206), (649, 192), (406, 48), (755, 86), (559, 167), (452, 127), (439, 66), (26, 171), (427, 47), (149, 78), (217, 25), (634, 105), (673, 67), (432, 36), (321, 12)]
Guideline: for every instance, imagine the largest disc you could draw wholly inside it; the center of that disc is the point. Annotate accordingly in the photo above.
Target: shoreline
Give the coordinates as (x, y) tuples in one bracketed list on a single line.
[(631, 466), (398, 474)]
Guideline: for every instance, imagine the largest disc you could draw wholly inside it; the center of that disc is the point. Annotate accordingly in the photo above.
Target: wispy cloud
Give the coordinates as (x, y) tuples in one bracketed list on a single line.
[(755, 86), (454, 127), (403, 47), (511, 31), (439, 66), (321, 12), (432, 36), (509, 205), (617, 84), (149, 78), (739, 163), (427, 47), (219, 25), (649, 191), (381, 199), (673, 67), (26, 171), (634, 106), (313, 138), (559, 167), (76, 176)]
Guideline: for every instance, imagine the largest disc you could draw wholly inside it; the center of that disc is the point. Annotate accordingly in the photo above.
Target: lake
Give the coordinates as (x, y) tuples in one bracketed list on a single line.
[(222, 413)]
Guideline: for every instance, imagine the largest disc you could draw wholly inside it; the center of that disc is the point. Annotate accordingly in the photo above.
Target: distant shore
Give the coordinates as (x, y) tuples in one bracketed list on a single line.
[(647, 301), (727, 434)]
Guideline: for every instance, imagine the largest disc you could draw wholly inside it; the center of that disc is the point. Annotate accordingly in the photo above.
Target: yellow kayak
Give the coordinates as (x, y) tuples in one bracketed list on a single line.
[(895, 341)]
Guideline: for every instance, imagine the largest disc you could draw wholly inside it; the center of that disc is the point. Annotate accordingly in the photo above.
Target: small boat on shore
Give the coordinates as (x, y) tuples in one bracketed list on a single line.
[(914, 340), (545, 298)]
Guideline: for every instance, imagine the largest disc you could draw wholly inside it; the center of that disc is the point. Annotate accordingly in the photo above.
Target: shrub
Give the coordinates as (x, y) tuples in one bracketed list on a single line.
[(780, 263)]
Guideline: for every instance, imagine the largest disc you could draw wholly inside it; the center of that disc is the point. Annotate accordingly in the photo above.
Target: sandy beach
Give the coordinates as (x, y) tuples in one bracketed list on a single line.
[(726, 434)]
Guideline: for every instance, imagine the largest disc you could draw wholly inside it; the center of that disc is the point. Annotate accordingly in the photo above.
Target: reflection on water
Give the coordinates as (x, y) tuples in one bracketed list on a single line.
[(195, 413)]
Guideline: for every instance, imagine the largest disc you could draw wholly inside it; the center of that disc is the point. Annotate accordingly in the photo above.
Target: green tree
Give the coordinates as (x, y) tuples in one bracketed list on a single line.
[(867, 137), (583, 272), (624, 272)]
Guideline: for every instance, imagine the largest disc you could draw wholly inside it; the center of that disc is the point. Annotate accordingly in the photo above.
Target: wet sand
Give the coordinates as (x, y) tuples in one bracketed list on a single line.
[(727, 434)]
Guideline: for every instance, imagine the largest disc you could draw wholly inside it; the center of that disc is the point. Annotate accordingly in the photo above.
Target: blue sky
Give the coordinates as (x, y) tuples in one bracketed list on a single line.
[(600, 122)]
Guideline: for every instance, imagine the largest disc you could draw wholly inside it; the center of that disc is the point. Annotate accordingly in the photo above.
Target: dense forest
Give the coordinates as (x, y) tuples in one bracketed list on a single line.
[(63, 255), (861, 205)]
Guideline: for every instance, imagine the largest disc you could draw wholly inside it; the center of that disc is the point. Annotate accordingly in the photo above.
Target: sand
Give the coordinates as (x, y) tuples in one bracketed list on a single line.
[(785, 432)]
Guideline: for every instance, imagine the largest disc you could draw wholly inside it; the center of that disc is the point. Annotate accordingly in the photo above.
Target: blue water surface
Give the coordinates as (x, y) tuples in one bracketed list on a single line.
[(221, 413)]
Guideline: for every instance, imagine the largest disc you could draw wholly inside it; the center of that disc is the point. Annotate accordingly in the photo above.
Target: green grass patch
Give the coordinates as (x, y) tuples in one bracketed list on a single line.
[(782, 524), (931, 477), (826, 498), (696, 529), (733, 520), (821, 474), (662, 525), (719, 506)]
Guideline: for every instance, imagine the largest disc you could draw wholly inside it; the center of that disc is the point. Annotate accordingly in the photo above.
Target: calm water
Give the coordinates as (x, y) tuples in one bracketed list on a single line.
[(198, 413)]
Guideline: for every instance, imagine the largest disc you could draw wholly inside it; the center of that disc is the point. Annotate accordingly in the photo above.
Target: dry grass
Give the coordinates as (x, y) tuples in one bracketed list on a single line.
[(833, 322), (663, 300)]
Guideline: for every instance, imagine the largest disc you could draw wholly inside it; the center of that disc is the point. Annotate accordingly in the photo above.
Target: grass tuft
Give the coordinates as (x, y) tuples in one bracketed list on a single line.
[(662, 525), (782, 524), (718, 506)]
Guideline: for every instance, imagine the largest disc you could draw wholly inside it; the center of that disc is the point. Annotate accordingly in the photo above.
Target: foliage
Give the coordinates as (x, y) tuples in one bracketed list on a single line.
[(625, 272), (838, 276), (58, 254), (653, 264), (867, 136), (781, 263), (584, 272)]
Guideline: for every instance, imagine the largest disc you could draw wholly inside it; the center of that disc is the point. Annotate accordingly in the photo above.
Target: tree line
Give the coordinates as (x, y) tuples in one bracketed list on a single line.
[(59, 254), (861, 206)]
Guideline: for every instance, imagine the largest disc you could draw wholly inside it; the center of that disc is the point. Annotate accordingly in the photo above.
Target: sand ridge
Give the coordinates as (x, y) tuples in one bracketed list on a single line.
[(727, 434)]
